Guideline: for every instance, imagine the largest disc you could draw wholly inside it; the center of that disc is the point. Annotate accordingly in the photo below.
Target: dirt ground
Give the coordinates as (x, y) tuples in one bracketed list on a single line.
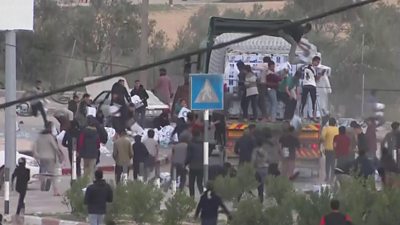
[(171, 21)]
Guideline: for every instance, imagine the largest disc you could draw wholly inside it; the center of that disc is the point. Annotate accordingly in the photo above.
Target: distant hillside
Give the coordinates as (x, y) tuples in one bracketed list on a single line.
[(173, 20)]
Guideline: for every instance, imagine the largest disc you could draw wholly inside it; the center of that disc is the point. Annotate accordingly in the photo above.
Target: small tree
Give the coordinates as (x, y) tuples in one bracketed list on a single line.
[(229, 188), (118, 209), (177, 209), (144, 202), (249, 211), (74, 198), (279, 188)]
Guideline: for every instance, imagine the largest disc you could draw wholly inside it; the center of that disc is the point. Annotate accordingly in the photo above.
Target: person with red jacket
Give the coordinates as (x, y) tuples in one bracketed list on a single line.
[(336, 217), (272, 86), (341, 145), (89, 147)]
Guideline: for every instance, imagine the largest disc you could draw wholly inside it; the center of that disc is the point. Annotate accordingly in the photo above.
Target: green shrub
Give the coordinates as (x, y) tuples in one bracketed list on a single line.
[(73, 198), (357, 196), (249, 211), (143, 202), (229, 188), (246, 176), (118, 210), (177, 209), (278, 188), (383, 211), (310, 208)]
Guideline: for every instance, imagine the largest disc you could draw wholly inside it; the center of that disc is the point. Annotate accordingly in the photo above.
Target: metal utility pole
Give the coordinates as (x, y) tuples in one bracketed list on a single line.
[(10, 115), (206, 146), (363, 76), (144, 42)]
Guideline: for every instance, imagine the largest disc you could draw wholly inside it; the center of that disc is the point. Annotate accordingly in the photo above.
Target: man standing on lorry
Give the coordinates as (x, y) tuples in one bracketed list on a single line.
[(242, 88), (288, 94), (262, 86), (272, 86), (310, 86)]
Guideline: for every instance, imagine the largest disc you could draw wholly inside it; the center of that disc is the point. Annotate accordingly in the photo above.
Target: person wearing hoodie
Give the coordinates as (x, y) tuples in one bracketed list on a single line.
[(122, 154), (289, 144), (208, 207), (178, 158), (260, 162), (23, 176), (370, 133), (97, 196), (103, 135), (244, 145), (81, 113), (46, 151), (89, 147), (70, 134), (140, 156), (271, 145), (388, 168), (195, 162)]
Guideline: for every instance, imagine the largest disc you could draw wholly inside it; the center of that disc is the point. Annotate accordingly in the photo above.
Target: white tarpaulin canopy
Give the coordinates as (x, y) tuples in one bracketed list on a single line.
[(16, 15)]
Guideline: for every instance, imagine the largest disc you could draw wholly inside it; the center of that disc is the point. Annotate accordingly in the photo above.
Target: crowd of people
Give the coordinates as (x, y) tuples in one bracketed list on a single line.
[(264, 91), (351, 151)]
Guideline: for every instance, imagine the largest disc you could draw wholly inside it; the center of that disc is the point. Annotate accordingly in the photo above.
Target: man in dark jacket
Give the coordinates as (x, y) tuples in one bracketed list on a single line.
[(97, 196), (195, 162), (73, 104), (242, 88), (140, 107), (119, 92), (23, 176), (89, 147), (103, 135), (140, 156), (245, 145), (208, 206), (81, 113), (336, 217), (70, 134)]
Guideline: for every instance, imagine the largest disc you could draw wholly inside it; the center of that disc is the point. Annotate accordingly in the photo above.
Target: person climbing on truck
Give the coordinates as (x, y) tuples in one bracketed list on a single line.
[(294, 35)]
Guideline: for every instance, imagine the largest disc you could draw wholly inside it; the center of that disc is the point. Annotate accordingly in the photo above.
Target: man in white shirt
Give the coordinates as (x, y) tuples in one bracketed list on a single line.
[(310, 85)]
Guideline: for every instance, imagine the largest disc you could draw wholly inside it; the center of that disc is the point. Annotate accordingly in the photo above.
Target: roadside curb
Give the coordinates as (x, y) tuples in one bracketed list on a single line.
[(67, 171), (36, 220)]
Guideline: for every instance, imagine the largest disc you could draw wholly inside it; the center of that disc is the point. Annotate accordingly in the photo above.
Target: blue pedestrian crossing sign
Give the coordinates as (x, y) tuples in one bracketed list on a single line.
[(206, 91)]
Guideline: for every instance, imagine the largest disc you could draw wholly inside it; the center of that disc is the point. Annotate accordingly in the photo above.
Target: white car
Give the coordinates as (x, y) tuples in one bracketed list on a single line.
[(31, 164), (154, 105)]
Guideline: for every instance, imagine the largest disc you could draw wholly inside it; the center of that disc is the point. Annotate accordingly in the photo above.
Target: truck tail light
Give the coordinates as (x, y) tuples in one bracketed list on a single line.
[(314, 146)]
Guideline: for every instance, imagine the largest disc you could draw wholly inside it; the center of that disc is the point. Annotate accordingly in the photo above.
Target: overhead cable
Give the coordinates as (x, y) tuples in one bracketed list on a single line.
[(184, 55)]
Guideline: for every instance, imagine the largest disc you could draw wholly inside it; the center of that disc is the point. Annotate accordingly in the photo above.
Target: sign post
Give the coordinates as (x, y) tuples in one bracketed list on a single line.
[(206, 93), (14, 15)]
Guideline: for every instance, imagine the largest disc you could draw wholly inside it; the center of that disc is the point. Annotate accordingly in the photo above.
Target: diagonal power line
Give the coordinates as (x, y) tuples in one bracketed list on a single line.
[(184, 55)]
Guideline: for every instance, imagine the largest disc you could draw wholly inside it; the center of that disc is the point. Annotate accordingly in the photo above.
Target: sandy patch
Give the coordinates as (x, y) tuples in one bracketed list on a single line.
[(172, 21)]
